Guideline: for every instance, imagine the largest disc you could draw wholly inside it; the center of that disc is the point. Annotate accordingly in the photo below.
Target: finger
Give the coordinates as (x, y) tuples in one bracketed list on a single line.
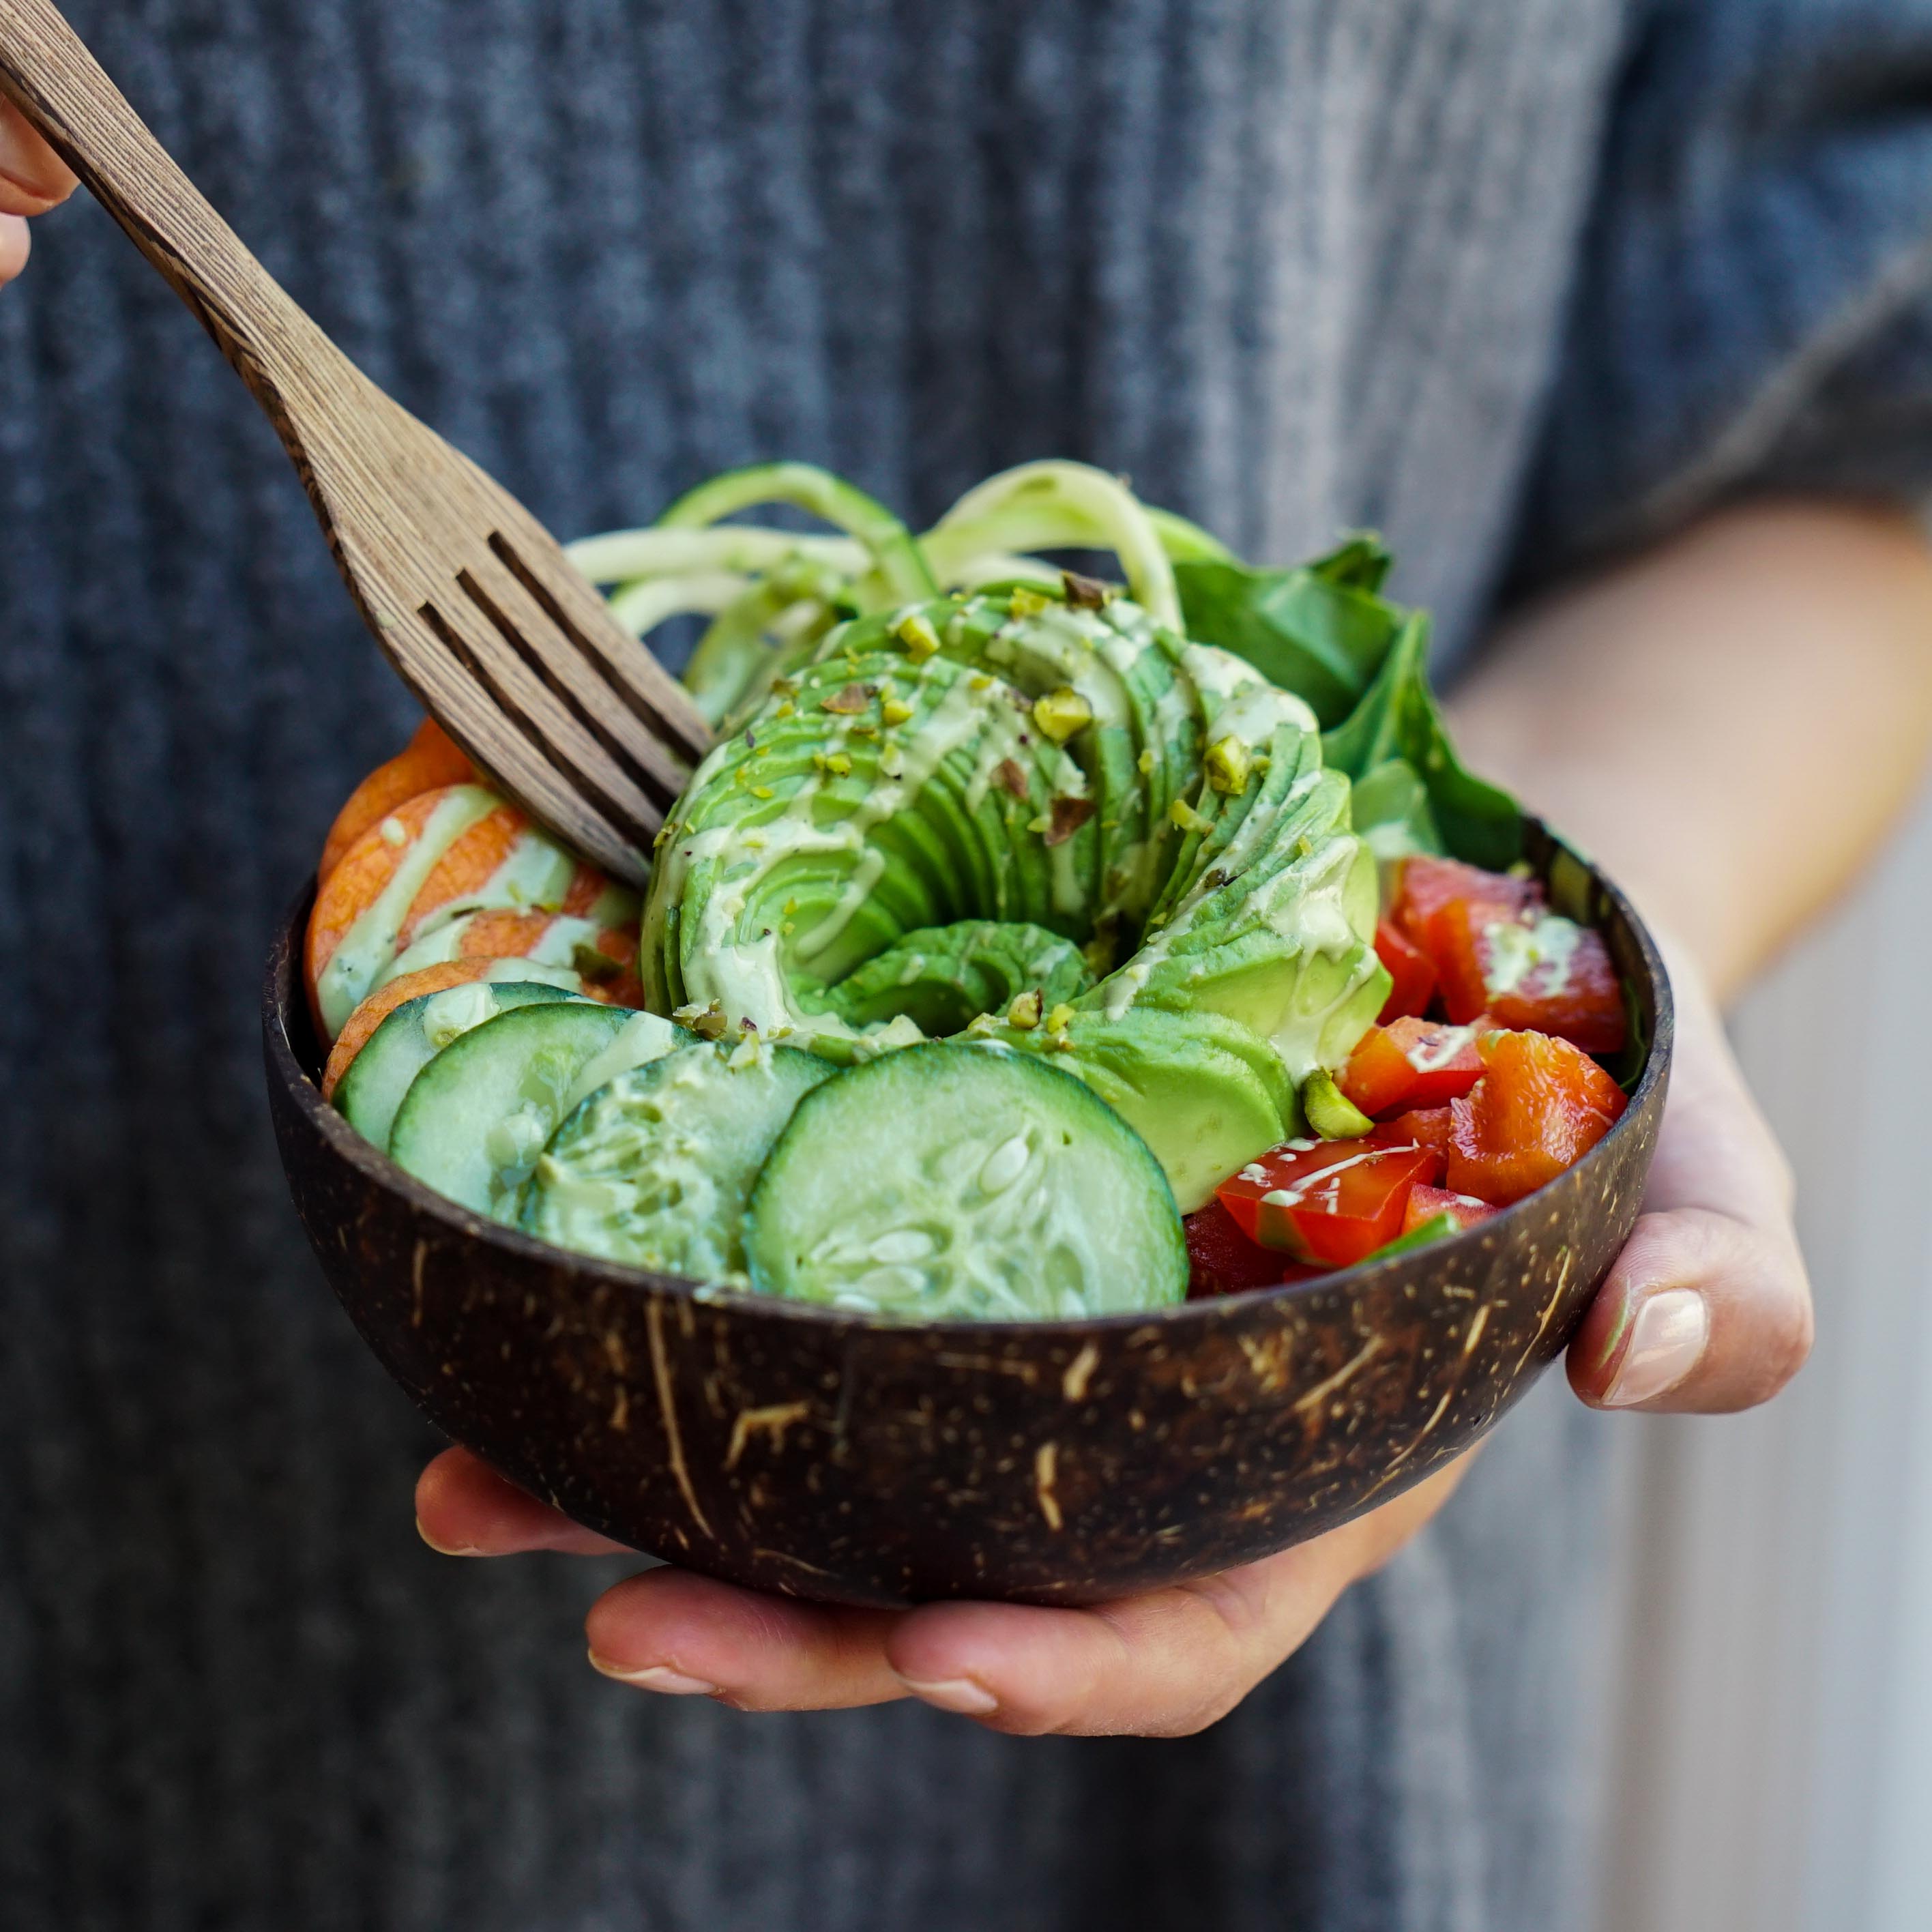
[(1166, 1664), (33, 177), (15, 242), (687, 1636), (1709, 1308), (464, 1508), (1702, 1313)]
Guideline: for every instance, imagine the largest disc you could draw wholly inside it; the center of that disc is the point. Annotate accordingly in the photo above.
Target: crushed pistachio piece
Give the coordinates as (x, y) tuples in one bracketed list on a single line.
[(915, 631), (1068, 815), (849, 700), (1183, 815), (1059, 1018), (1009, 775), (763, 792), (707, 1022), (1329, 1111), (833, 764), (1229, 766), (1024, 1013), (1060, 713), (1145, 763), (896, 711), (592, 963), (1085, 593), (1025, 603)]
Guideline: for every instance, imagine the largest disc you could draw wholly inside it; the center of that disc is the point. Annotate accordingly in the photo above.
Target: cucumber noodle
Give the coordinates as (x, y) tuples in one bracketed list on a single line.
[(772, 594)]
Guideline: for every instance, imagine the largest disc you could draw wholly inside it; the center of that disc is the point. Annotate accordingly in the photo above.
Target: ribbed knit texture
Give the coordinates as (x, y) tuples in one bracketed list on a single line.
[(1296, 264)]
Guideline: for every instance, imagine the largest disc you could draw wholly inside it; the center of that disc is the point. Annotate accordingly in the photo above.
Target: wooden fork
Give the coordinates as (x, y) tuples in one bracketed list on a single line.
[(471, 598)]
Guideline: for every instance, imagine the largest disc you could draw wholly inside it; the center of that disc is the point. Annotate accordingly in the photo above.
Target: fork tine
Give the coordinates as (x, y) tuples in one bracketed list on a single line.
[(624, 666), (568, 670), (561, 773)]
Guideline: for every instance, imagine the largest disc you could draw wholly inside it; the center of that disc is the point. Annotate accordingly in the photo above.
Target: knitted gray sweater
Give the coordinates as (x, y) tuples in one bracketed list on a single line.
[(1295, 265)]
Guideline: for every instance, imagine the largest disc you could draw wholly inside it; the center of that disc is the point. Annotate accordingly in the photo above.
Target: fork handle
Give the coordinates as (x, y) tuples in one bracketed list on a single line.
[(47, 72)]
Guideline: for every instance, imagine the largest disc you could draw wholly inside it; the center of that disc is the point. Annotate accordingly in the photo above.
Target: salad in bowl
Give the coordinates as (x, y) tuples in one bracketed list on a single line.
[(1088, 1089), (1029, 945)]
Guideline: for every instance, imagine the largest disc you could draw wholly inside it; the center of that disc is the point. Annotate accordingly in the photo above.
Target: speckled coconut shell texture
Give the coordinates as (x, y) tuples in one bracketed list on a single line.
[(803, 1451)]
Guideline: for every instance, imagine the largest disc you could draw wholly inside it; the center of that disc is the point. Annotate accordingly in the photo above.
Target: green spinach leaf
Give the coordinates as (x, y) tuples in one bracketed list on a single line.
[(1412, 793), (1321, 630)]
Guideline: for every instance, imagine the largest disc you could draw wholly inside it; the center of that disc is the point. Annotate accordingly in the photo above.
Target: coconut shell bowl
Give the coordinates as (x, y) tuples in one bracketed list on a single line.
[(798, 1449)]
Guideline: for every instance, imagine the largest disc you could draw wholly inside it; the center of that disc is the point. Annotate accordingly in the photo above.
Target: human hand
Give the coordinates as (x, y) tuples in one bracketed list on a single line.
[(1709, 1307), (33, 178), (1163, 1664)]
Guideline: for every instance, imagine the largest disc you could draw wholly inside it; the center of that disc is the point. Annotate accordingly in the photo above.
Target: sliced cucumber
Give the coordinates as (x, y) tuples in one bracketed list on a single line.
[(476, 1117), (937, 1183), (370, 1093), (653, 1170)]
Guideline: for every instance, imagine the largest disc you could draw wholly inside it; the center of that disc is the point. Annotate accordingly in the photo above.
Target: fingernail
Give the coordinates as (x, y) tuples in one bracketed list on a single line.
[(446, 1548), (954, 1694), (1665, 1340), (659, 1677)]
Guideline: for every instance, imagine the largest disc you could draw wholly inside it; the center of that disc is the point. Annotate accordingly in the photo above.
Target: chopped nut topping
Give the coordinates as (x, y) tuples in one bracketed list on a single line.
[(849, 700), (707, 1022), (1060, 713), (1184, 816), (1085, 593), (1025, 603), (1024, 1013), (896, 711), (833, 764), (915, 631), (1009, 775), (1145, 763), (1058, 1020), (592, 963), (1068, 815), (1229, 765)]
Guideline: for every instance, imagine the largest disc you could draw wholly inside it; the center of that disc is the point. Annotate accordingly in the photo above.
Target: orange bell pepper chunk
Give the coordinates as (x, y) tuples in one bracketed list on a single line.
[(1541, 1105)]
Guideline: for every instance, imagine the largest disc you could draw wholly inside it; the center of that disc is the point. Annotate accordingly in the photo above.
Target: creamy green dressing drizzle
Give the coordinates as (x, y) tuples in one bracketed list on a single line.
[(1513, 952), (368, 946), (1170, 698)]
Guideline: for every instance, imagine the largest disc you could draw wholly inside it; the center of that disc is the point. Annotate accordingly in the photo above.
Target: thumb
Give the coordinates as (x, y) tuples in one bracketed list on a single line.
[(33, 177), (1709, 1307)]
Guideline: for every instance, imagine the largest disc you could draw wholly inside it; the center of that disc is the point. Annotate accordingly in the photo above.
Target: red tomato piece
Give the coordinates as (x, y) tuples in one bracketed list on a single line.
[(1541, 1105), (1411, 1062), (1329, 1202), (1408, 968), (1426, 1202), (1427, 886), (1221, 1260), (1423, 1127), (1534, 972)]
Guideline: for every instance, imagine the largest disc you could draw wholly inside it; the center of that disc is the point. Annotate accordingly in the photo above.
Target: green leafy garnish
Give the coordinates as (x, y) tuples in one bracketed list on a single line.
[(1411, 788)]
